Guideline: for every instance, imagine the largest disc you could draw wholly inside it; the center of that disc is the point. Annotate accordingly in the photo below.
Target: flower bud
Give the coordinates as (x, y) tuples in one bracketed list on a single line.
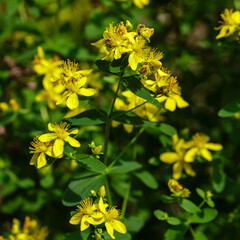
[(102, 191), (146, 32)]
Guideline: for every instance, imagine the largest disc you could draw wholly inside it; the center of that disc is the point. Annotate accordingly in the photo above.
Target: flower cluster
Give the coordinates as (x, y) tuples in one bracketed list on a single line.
[(230, 24), (96, 212), (12, 106), (29, 231), (52, 144), (122, 40), (62, 82), (186, 153), (138, 106)]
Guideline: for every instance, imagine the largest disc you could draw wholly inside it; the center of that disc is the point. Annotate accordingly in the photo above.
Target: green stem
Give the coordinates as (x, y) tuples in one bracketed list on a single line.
[(192, 231), (117, 115), (108, 191), (134, 139), (125, 200), (108, 123), (202, 203)]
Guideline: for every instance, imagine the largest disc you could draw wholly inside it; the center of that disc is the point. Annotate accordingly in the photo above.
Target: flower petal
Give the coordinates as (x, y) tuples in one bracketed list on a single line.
[(34, 159), (72, 101), (41, 161), (170, 104), (188, 169), (87, 91), (75, 131), (191, 155), (109, 228), (169, 157), (206, 154), (177, 170), (119, 226), (75, 219), (181, 103), (214, 146), (84, 223), (47, 137), (73, 142), (58, 147)]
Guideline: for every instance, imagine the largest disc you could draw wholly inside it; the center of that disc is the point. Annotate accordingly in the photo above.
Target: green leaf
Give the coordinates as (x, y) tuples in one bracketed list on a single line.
[(118, 236), (131, 118), (189, 206), (126, 166), (159, 214), (167, 199), (26, 183), (79, 188), (79, 235), (218, 179), (201, 193), (115, 66), (205, 216), (147, 178), (211, 203), (91, 163), (167, 129), (89, 117), (175, 233), (200, 236), (173, 221), (134, 84), (134, 223), (230, 109), (47, 181)]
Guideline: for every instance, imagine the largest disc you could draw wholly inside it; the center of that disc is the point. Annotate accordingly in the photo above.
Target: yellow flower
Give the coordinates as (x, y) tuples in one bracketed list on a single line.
[(111, 219), (47, 67), (200, 146), (39, 150), (167, 90), (141, 3), (230, 23), (178, 160), (87, 215), (60, 135), (74, 81)]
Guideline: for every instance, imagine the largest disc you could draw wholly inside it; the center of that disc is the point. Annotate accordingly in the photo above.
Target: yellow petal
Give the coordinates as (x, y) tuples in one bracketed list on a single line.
[(47, 137), (169, 157), (133, 63), (128, 127), (58, 147), (206, 154), (76, 219), (102, 206), (188, 169), (41, 161), (87, 91), (191, 155), (119, 226), (109, 228), (49, 151), (34, 159), (170, 104), (177, 170), (181, 103), (75, 131), (51, 127), (214, 146), (72, 101), (73, 142), (84, 223)]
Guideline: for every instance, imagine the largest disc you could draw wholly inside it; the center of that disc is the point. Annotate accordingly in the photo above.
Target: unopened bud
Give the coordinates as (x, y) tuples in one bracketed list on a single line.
[(146, 32), (102, 191)]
